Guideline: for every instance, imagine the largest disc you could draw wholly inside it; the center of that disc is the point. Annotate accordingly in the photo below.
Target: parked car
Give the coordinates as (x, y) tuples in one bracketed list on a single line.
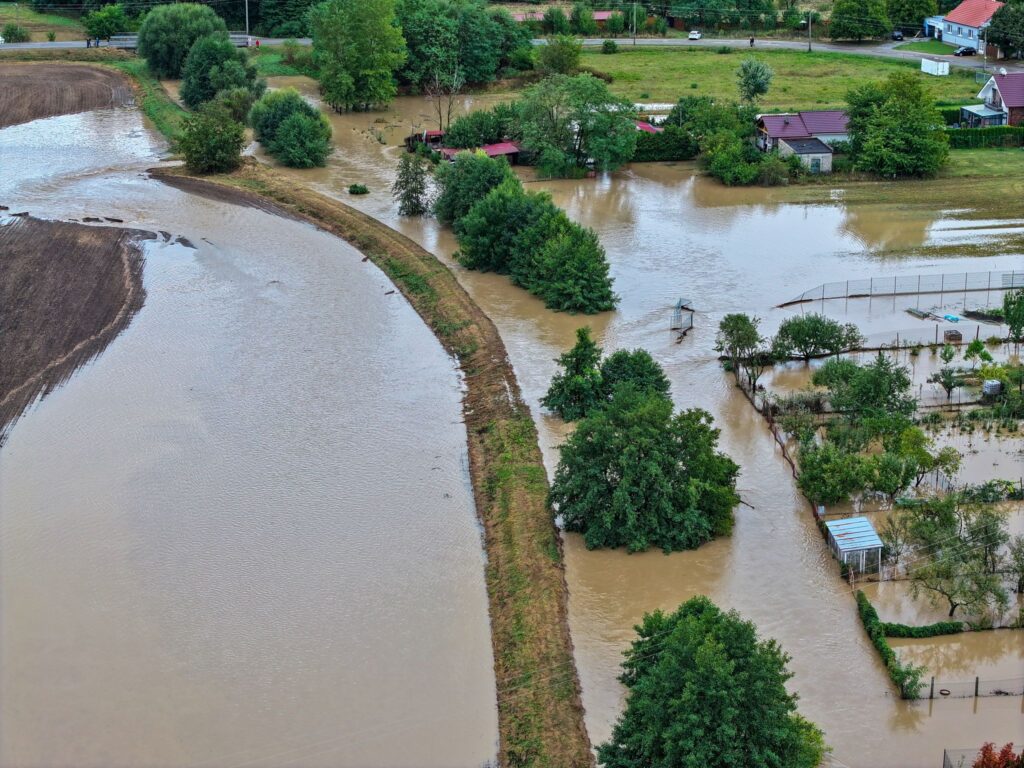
[(694, 35), (965, 50), (897, 34)]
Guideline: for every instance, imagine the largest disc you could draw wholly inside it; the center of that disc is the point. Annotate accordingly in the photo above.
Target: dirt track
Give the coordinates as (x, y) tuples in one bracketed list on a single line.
[(33, 91), (66, 291)]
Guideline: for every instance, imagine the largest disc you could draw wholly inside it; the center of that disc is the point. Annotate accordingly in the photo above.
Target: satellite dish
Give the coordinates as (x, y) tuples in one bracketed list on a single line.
[(1002, 70)]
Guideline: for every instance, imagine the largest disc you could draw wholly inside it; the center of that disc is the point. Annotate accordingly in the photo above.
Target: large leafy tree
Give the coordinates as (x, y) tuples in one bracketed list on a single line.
[(705, 691), (1007, 28), (829, 475), (570, 272), (568, 120), (635, 367), (858, 19), (214, 64), (358, 46), (911, 13), (880, 387), (634, 475), (169, 32), (465, 182), (211, 140), (106, 21), (812, 335), (577, 388), (739, 339)]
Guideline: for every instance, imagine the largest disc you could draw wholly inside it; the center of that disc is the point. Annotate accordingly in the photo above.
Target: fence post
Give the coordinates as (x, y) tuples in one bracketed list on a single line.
[(976, 679), (931, 693)]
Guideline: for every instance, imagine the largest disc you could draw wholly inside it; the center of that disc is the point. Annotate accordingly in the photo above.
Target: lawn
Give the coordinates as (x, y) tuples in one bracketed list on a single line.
[(38, 24), (932, 47), (802, 80)]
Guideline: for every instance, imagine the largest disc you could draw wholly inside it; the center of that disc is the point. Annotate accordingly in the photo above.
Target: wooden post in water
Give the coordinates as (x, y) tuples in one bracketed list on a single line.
[(976, 679), (931, 693)]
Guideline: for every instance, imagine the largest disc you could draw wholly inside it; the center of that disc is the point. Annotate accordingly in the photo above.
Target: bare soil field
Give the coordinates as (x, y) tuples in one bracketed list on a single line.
[(66, 291), (33, 91)]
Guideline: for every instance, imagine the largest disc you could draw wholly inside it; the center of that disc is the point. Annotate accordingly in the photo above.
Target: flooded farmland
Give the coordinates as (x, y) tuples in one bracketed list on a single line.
[(244, 535), (670, 233)]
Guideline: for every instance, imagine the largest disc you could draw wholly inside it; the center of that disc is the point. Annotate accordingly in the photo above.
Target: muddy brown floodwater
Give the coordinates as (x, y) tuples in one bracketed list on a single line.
[(671, 233), (244, 535)]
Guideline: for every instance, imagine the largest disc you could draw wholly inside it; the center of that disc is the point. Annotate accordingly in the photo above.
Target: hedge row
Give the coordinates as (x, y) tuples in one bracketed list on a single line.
[(906, 677), (673, 143), (950, 115), (928, 630), (994, 136)]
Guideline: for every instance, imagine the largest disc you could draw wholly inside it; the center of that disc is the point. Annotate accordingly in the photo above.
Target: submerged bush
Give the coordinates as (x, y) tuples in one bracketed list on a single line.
[(292, 130), (211, 140)]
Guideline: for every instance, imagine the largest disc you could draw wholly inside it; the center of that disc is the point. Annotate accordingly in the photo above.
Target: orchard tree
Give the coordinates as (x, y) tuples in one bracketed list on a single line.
[(754, 78), (813, 335), (830, 475), (705, 690), (410, 187), (358, 46), (634, 475), (169, 32), (738, 339), (976, 351), (577, 388), (953, 574)]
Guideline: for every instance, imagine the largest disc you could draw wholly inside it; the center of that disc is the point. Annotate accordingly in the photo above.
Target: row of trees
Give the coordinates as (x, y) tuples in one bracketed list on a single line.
[(635, 474)]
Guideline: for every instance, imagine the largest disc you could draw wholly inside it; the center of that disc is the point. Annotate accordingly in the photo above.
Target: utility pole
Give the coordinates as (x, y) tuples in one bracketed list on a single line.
[(808, 31), (984, 52), (634, 23), (247, 22)]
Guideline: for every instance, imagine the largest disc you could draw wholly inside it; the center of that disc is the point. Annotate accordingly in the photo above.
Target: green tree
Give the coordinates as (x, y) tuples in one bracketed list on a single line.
[(1007, 29), (633, 475), (484, 126), (911, 13), (830, 475), (410, 187), (738, 339), (582, 20), (1016, 563), (880, 387), (560, 55), (976, 351), (813, 335), (567, 120), (954, 574), (302, 140), (211, 140), (169, 31), (754, 77), (704, 690), (570, 272), (635, 367), (465, 182), (1013, 315), (890, 474), (106, 21), (555, 22), (616, 24), (858, 19), (214, 64), (916, 446), (15, 33), (577, 388), (431, 32), (358, 47), (861, 103)]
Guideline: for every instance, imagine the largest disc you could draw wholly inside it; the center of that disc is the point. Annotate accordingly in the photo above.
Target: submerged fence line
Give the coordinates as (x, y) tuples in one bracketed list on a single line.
[(973, 689), (909, 285)]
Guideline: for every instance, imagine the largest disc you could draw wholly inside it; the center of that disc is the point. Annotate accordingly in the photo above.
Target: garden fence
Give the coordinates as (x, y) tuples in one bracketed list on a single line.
[(973, 688), (959, 758), (909, 285)]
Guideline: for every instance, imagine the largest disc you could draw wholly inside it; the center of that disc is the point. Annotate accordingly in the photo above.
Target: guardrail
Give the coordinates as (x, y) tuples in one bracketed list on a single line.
[(131, 42)]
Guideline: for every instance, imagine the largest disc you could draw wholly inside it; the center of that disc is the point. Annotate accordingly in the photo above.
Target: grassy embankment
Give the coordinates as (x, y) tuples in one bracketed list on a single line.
[(540, 713), (802, 80), (38, 24)]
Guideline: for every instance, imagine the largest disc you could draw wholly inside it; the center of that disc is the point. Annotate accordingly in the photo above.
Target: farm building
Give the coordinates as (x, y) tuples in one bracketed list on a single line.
[(826, 125), (853, 541), (815, 154)]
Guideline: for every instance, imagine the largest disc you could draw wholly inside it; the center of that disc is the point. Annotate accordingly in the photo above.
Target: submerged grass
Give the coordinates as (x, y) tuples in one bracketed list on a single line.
[(539, 710)]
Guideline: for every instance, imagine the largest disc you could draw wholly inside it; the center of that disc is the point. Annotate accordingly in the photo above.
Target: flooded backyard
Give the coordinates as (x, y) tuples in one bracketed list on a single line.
[(244, 535), (670, 233)]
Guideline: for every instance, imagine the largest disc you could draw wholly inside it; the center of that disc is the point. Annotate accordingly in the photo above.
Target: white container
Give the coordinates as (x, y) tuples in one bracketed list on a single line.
[(935, 67)]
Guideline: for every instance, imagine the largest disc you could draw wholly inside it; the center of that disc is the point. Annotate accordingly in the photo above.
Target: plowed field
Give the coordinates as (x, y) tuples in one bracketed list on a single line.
[(32, 91)]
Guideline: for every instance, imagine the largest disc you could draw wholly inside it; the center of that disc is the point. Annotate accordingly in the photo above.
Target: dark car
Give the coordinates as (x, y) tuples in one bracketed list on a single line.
[(965, 50), (897, 35)]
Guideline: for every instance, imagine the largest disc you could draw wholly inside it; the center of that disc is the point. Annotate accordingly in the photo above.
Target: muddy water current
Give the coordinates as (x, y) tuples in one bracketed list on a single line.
[(670, 233), (244, 535)]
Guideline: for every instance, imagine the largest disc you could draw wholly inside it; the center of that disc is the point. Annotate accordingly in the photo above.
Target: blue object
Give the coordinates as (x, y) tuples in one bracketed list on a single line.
[(952, 318)]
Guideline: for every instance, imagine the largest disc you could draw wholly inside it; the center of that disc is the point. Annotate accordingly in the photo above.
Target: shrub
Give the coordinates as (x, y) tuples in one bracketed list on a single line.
[(12, 33), (106, 21), (465, 182), (302, 141), (609, 46), (211, 140), (273, 109), (660, 26), (570, 273), (773, 172), (214, 64), (484, 126), (906, 677), (673, 143), (616, 24), (169, 31), (555, 22), (237, 101), (560, 56), (358, 189), (928, 630), (51, 36)]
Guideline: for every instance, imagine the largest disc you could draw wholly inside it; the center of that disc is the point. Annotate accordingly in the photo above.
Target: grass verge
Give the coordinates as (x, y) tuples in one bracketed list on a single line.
[(931, 47), (540, 715), (39, 24), (802, 80)]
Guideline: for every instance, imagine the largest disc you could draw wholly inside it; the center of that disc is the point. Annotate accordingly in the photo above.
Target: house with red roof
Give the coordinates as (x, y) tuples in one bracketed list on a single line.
[(1004, 103), (826, 125), (965, 24)]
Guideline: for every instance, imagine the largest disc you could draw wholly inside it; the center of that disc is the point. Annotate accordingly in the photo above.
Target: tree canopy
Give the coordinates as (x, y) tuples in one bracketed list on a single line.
[(858, 19), (634, 475), (292, 129), (812, 335), (106, 21), (577, 388), (169, 32), (358, 46), (754, 77), (705, 690), (465, 182), (214, 64), (211, 140)]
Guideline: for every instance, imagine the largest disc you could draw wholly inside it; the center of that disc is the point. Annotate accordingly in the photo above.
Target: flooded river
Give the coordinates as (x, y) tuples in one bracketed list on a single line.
[(670, 233), (245, 534)]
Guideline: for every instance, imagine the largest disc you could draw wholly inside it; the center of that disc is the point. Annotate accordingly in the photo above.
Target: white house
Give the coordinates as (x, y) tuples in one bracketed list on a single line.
[(1003, 95), (965, 24)]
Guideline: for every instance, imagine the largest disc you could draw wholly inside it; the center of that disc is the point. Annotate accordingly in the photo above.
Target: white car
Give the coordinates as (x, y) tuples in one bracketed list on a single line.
[(694, 35)]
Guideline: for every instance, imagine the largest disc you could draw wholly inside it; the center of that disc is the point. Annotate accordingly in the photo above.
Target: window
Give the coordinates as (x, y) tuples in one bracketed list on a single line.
[(970, 33), (949, 27), (960, 31)]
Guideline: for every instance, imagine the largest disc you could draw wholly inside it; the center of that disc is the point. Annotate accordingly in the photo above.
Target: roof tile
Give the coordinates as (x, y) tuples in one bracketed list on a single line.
[(973, 13)]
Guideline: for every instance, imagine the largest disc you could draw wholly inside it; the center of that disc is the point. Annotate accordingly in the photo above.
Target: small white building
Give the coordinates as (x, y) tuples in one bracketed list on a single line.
[(814, 154), (965, 24), (854, 542)]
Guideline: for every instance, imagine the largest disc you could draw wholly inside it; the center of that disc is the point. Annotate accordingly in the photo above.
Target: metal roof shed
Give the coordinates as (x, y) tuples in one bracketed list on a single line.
[(854, 541)]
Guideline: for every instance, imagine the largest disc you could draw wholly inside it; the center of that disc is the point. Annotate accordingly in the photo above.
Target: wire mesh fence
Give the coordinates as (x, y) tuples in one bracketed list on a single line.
[(907, 285), (971, 689), (959, 758)]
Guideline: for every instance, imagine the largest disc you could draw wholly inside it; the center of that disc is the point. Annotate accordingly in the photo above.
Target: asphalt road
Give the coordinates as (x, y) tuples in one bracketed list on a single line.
[(880, 50)]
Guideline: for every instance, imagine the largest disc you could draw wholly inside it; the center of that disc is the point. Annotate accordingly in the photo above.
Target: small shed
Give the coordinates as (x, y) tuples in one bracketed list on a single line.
[(853, 541), (815, 154), (952, 335)]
